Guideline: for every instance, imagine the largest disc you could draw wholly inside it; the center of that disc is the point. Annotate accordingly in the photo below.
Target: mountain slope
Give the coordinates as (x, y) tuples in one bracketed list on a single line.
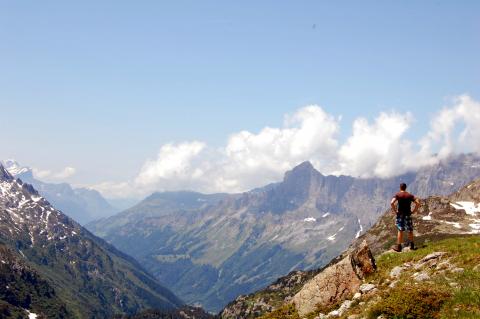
[(81, 204), (440, 225), (210, 253), (89, 276), (24, 289)]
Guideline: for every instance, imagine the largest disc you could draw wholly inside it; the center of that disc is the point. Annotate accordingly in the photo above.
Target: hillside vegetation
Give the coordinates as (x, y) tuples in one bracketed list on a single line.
[(439, 280)]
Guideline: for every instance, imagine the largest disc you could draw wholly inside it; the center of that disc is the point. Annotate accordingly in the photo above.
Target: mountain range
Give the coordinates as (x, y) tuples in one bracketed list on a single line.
[(211, 248), (81, 204), (442, 222), (54, 268)]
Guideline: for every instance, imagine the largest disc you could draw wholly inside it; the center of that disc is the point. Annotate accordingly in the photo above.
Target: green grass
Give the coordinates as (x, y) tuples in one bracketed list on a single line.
[(437, 299), (285, 312)]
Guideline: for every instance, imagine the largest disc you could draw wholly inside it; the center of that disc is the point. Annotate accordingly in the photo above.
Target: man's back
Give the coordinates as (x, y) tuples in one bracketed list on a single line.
[(405, 200)]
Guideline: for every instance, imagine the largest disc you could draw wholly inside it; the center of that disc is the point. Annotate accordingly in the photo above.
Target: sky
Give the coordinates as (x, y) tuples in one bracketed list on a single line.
[(129, 97)]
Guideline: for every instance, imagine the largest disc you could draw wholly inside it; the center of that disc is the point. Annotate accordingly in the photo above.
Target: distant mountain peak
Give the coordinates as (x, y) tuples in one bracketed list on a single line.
[(14, 168), (301, 171)]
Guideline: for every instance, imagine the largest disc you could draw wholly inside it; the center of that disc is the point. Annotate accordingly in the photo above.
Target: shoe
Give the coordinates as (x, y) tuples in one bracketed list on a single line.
[(397, 248), (412, 246)]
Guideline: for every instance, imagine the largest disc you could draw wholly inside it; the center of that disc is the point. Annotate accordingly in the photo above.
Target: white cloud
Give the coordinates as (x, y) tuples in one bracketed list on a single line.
[(246, 159), (381, 149), (49, 175), (249, 160), (456, 128)]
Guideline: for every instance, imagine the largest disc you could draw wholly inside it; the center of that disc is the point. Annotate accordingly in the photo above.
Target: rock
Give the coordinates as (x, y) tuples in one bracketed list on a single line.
[(362, 259), (430, 260), (453, 284), (422, 276), (344, 307), (476, 268), (334, 313), (458, 270), (434, 255), (321, 316), (365, 288), (396, 272), (393, 284), (337, 282), (354, 317), (357, 296), (444, 265)]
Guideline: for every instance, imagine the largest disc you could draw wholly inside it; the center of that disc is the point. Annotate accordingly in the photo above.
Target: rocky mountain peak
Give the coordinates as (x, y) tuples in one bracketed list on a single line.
[(300, 176), (4, 174), (303, 169), (14, 168), (72, 260)]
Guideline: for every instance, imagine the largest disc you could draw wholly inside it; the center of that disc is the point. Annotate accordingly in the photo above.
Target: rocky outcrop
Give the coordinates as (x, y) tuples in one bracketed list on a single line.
[(337, 282), (268, 299)]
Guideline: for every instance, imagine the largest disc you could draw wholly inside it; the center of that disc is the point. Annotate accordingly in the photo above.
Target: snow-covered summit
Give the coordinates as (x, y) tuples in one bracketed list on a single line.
[(14, 168), (22, 210)]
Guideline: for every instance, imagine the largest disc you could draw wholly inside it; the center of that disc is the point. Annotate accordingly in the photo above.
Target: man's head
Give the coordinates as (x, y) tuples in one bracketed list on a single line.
[(403, 186)]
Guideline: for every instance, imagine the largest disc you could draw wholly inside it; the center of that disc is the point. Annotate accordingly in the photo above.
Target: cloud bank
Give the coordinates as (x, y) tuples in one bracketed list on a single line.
[(49, 175), (250, 160)]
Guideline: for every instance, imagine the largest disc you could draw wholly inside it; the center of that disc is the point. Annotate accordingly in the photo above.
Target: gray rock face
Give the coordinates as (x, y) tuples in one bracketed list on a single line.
[(335, 283), (212, 248)]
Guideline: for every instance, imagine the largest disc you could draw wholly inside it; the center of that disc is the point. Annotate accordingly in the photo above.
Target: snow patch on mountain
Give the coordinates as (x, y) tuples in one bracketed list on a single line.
[(469, 207), (360, 230), (429, 217), (14, 168)]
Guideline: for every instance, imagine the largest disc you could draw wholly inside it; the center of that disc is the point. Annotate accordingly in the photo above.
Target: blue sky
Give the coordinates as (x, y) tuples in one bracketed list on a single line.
[(102, 85)]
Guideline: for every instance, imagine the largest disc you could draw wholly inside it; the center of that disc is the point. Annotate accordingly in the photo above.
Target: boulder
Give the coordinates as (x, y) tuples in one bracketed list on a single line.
[(336, 282)]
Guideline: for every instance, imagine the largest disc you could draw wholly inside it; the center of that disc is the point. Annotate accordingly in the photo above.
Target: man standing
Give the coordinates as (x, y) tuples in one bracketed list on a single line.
[(404, 219)]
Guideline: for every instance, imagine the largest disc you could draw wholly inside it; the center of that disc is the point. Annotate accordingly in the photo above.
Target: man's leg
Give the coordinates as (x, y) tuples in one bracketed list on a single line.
[(400, 237), (409, 227), (410, 239), (400, 223)]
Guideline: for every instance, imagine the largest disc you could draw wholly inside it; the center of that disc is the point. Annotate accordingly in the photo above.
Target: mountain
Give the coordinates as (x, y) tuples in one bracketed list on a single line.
[(24, 289), (444, 269), (58, 269), (211, 251), (81, 204)]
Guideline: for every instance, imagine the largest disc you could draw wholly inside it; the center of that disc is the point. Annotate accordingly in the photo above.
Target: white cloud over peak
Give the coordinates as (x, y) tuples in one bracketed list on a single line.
[(456, 128), (49, 175), (248, 160), (376, 149)]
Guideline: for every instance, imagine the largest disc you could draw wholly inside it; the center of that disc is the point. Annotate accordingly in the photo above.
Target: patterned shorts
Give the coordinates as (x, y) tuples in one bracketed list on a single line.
[(404, 222)]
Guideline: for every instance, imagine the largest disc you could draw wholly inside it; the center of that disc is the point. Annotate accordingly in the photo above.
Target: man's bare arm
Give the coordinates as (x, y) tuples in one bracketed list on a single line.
[(392, 204), (417, 205)]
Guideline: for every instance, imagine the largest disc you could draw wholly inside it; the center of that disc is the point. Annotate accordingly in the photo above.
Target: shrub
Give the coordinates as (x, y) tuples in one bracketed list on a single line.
[(286, 312), (413, 302)]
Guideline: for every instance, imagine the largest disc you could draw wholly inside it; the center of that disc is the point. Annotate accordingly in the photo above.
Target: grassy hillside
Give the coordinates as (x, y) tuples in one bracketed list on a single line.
[(407, 286)]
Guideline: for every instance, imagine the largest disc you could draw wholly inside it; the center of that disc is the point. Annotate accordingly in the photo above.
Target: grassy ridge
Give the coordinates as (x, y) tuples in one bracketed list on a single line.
[(448, 294)]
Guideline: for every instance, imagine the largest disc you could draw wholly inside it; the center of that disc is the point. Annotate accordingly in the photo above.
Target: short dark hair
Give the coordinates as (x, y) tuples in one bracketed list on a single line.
[(403, 186)]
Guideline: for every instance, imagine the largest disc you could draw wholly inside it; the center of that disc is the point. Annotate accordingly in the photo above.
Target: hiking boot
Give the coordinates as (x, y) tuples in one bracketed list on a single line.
[(412, 246), (397, 248)]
